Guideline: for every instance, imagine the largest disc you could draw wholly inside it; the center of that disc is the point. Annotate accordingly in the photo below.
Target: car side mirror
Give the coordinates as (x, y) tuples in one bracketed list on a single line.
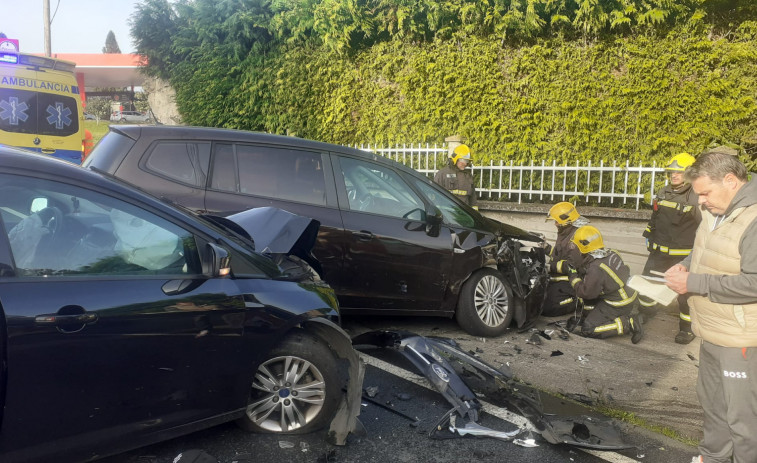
[(220, 260), (434, 220), (434, 216)]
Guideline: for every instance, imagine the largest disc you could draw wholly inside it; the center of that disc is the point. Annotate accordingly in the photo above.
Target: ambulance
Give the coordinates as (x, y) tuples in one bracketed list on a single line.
[(40, 105)]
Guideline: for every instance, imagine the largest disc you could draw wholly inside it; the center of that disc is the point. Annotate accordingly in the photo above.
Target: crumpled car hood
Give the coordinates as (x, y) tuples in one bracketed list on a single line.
[(273, 230), (510, 231), (276, 231)]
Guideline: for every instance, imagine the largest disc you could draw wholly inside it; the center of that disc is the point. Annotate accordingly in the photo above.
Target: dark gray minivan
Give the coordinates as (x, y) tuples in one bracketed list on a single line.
[(391, 241)]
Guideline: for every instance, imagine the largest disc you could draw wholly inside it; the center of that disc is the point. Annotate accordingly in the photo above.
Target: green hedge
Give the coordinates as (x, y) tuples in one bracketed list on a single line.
[(640, 98)]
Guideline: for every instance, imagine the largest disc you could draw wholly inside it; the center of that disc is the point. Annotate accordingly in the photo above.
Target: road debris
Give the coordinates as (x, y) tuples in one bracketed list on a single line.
[(456, 374), (534, 339)]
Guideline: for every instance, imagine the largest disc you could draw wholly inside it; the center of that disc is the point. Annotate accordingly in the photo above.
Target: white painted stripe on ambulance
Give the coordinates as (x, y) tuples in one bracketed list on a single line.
[(493, 410)]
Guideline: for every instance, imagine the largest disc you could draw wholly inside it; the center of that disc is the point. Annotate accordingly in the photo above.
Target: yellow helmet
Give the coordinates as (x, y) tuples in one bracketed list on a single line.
[(461, 152), (563, 213), (680, 162), (588, 239)]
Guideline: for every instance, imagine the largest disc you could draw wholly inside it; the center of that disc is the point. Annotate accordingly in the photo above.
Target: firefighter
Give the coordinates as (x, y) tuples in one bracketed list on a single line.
[(561, 298), (455, 178), (599, 280), (670, 235)]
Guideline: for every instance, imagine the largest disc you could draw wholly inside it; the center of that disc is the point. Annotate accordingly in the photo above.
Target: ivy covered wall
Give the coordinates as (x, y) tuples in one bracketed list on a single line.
[(638, 98)]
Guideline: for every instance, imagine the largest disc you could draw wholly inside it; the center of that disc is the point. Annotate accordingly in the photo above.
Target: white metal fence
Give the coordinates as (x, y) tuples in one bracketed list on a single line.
[(604, 184)]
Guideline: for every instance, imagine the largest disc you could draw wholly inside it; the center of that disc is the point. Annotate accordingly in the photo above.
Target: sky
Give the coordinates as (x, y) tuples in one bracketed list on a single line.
[(79, 26)]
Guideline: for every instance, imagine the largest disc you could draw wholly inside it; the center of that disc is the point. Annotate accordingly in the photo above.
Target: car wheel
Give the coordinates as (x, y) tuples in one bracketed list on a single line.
[(485, 307), (296, 390)]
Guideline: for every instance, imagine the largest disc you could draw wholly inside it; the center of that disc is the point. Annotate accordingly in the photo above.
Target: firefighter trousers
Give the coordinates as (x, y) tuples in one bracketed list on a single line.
[(560, 298), (727, 390), (604, 320)]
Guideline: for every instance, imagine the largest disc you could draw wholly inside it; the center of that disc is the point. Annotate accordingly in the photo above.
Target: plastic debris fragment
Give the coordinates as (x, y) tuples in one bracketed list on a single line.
[(525, 442)]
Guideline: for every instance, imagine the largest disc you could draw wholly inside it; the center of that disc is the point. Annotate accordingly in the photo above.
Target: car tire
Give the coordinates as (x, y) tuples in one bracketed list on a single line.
[(296, 390), (485, 307)]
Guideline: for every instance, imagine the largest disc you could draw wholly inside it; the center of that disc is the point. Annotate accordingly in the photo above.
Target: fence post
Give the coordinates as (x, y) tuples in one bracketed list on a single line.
[(601, 174)]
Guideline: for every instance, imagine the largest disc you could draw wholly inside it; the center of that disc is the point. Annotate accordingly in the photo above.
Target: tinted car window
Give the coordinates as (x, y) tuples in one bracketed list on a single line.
[(452, 212), (185, 162), (39, 113), (376, 189), (280, 173), (58, 230), (116, 145)]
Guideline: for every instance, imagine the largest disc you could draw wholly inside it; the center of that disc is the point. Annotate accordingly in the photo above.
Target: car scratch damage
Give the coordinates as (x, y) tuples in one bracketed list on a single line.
[(456, 375)]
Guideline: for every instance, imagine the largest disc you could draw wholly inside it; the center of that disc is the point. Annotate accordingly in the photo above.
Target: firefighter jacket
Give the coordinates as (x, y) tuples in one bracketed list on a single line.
[(458, 182), (601, 280), (723, 278), (674, 221), (560, 253)]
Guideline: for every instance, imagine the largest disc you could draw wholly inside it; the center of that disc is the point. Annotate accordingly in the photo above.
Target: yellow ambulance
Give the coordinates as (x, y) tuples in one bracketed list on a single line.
[(40, 105)]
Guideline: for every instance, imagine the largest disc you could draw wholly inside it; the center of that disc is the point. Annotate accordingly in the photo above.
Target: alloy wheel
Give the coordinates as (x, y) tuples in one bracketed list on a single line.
[(288, 393), (491, 301)]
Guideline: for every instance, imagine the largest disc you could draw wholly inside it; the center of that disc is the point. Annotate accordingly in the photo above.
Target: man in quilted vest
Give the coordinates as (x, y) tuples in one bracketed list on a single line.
[(720, 276)]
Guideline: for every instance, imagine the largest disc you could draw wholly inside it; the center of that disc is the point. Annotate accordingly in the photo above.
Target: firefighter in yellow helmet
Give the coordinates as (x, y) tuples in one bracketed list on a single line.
[(456, 178), (670, 235), (561, 298), (599, 280)]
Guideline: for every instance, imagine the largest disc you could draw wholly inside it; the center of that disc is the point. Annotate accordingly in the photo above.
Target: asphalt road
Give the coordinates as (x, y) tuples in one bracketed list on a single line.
[(397, 421)]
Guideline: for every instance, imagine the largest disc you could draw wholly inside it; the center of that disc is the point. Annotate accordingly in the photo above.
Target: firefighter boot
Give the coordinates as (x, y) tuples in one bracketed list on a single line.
[(571, 323), (684, 337), (637, 328)]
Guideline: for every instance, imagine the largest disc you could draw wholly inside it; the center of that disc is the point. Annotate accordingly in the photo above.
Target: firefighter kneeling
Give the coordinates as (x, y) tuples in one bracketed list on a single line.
[(599, 279), (561, 298)]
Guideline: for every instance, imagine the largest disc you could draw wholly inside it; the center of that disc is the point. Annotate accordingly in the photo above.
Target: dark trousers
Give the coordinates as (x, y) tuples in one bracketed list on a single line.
[(660, 262), (560, 298), (604, 320), (727, 390)]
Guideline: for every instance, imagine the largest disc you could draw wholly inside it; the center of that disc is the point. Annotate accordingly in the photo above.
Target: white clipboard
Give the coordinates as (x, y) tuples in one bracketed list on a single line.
[(653, 288)]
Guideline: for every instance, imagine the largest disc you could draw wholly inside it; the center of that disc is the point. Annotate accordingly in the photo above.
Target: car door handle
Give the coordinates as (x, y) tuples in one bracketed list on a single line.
[(363, 235), (57, 320)]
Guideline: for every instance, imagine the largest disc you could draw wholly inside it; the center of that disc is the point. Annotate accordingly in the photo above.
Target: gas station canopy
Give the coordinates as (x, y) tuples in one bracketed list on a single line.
[(105, 70)]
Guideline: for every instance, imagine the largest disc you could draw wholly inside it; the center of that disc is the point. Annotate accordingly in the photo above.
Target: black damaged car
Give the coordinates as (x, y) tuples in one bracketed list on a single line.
[(391, 241), (125, 321)]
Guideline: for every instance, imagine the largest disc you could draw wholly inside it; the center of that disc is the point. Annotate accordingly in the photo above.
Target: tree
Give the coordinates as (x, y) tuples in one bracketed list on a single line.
[(111, 45), (100, 107)]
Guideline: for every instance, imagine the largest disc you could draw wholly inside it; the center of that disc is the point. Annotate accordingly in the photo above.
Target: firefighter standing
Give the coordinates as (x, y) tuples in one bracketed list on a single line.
[(599, 279), (561, 298), (455, 178), (670, 235)]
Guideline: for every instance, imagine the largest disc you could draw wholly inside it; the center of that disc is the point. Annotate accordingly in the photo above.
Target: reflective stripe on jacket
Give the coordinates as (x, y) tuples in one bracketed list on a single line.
[(458, 182), (674, 221), (604, 281)]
